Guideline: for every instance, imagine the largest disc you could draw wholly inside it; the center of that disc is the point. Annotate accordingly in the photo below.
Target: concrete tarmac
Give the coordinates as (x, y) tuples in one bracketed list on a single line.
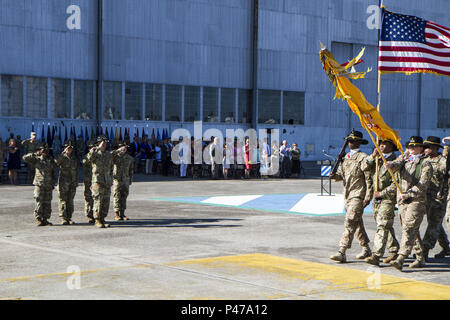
[(175, 250)]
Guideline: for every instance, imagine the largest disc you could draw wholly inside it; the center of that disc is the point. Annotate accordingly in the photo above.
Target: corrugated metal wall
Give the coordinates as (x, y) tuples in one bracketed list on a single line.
[(209, 43)]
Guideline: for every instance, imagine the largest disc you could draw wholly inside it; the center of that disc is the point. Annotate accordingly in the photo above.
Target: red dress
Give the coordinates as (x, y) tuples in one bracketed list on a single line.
[(248, 166)]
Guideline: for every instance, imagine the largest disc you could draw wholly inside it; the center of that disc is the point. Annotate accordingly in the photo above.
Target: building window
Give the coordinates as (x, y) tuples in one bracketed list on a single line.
[(112, 100), (227, 105), (210, 104), (269, 106), (153, 102), (245, 106), (191, 104), (173, 103), (293, 107), (12, 96), (36, 97), (83, 100), (133, 101), (60, 98), (443, 113)]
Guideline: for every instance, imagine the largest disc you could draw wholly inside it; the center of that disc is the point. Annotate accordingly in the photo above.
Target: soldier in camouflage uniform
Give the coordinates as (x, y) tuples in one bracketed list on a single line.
[(101, 161), (384, 193), (31, 145), (122, 179), (447, 216), (44, 182), (88, 199), (415, 173), (356, 198), (436, 202), (67, 182)]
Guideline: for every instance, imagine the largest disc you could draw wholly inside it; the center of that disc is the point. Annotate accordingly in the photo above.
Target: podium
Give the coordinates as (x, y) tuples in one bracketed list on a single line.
[(325, 181)]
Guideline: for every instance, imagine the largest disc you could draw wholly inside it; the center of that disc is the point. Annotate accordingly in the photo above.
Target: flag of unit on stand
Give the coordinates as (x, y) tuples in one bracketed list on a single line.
[(410, 44)]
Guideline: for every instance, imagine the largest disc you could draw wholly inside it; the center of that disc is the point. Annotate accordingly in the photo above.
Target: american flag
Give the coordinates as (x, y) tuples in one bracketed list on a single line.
[(410, 44)]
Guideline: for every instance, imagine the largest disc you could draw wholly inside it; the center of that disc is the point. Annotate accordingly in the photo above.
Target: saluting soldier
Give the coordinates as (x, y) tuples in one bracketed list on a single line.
[(383, 192), (436, 202), (101, 160), (356, 197), (87, 179), (31, 145), (123, 167), (67, 182), (44, 182), (415, 173), (447, 216)]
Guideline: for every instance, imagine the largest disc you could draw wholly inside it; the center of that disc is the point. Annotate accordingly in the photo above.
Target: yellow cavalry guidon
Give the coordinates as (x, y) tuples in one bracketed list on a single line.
[(368, 115)]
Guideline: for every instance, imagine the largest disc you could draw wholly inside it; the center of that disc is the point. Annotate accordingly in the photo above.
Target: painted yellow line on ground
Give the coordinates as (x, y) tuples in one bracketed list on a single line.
[(66, 274), (322, 278)]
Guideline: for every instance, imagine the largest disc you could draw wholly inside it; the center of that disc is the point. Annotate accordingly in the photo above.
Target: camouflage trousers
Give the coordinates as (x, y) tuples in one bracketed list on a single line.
[(354, 225), (101, 194), (435, 231), (385, 234), (66, 193), (121, 192), (31, 172), (88, 200), (43, 206), (411, 216), (447, 218)]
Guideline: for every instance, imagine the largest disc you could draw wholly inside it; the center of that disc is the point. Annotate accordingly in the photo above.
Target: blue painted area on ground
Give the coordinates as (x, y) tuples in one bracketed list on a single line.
[(275, 202)]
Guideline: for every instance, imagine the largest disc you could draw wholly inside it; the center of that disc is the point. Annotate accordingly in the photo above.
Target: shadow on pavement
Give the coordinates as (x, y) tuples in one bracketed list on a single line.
[(174, 223)]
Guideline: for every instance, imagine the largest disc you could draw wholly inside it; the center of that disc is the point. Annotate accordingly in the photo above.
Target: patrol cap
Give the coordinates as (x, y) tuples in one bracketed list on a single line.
[(33, 134), (68, 143), (123, 144), (43, 147), (356, 136), (102, 138)]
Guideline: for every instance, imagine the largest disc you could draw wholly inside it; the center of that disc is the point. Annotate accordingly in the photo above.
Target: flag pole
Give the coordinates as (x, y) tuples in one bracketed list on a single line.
[(378, 89)]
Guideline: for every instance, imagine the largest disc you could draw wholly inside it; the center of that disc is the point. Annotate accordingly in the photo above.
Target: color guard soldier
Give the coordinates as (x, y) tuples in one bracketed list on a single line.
[(123, 165), (67, 182)]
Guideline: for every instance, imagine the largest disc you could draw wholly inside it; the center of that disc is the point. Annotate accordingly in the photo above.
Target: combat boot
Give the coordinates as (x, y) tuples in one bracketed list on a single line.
[(442, 254), (398, 263), (91, 221), (99, 224), (365, 253), (65, 222), (117, 216), (46, 223), (104, 223), (71, 222), (40, 223), (425, 254), (339, 256), (417, 264), (391, 257), (123, 216), (373, 259)]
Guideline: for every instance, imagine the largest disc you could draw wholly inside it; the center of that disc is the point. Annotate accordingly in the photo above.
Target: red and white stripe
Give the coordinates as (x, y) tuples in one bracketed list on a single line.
[(410, 56)]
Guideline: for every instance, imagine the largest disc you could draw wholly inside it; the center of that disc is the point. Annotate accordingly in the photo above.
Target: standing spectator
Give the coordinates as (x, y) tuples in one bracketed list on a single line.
[(147, 153), (13, 161), (56, 147), (295, 155), (285, 153), (248, 165), (11, 137), (216, 155), (239, 158), (158, 152), (134, 150), (275, 160), (184, 153), (227, 158), (2, 151)]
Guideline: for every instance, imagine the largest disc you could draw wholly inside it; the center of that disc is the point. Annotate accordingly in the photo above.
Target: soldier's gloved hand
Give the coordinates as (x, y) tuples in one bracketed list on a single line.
[(405, 197), (366, 203), (376, 195)]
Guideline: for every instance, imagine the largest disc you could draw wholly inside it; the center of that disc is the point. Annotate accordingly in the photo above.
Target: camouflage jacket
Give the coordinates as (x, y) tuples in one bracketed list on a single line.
[(414, 180), (386, 185), (101, 162), (123, 166), (87, 170), (30, 145), (45, 175), (439, 166), (351, 173), (68, 169)]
